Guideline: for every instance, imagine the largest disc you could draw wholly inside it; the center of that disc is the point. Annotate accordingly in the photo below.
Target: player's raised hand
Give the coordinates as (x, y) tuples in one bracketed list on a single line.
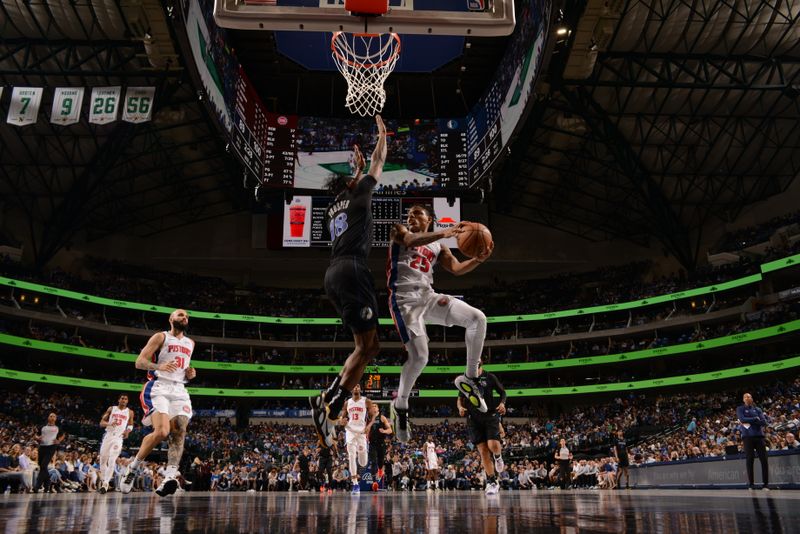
[(381, 125), (168, 367), (358, 158)]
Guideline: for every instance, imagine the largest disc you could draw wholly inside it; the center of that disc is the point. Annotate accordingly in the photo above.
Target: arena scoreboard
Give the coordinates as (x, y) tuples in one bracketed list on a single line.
[(372, 384), (265, 142), (304, 223), (453, 157)]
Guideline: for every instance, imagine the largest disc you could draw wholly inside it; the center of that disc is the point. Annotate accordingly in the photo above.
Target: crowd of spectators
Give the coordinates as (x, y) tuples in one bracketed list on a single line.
[(761, 233), (263, 456), (128, 282), (642, 340)]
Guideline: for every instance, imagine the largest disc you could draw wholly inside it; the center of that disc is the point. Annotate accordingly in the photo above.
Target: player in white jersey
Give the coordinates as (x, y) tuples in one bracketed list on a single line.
[(413, 253), (118, 422), (165, 401), (431, 463), (356, 418)]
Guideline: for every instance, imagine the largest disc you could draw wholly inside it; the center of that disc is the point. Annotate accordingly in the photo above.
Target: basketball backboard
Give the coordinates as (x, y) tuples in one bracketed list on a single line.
[(488, 18)]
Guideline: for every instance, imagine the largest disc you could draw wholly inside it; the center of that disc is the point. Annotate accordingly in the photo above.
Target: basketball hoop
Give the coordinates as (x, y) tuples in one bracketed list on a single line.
[(365, 60)]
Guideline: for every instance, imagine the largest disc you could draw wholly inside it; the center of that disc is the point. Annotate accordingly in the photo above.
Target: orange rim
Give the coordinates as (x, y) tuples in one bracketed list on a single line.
[(352, 63)]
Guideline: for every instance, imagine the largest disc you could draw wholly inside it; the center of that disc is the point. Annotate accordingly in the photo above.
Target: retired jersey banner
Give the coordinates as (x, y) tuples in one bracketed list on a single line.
[(67, 103), (24, 106), (138, 104), (104, 105)]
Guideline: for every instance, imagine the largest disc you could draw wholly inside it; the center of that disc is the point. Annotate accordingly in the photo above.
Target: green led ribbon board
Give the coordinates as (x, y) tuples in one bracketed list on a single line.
[(745, 337), (265, 319), (682, 380)]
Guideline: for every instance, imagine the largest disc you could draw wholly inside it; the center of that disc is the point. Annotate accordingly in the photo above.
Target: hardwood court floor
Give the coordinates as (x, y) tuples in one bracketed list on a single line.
[(667, 511)]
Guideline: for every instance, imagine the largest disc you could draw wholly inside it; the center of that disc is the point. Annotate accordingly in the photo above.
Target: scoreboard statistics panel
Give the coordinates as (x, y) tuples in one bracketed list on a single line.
[(305, 225), (453, 159), (265, 142), (385, 213), (281, 150)]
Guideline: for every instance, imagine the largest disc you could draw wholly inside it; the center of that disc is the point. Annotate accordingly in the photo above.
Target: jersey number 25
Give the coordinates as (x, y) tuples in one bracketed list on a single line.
[(421, 264)]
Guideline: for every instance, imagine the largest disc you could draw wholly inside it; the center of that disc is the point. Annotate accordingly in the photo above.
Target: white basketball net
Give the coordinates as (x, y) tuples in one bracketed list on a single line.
[(365, 61)]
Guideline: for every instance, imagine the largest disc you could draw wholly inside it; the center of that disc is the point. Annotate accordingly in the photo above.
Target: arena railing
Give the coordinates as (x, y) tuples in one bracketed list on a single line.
[(583, 361), (682, 380)]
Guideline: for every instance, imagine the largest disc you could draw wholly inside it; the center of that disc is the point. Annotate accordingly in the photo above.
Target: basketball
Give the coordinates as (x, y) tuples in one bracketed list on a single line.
[(473, 239), (374, 486)]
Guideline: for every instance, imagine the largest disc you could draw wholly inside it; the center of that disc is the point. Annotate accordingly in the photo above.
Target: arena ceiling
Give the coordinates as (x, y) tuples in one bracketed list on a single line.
[(652, 118), (656, 116), (118, 178)]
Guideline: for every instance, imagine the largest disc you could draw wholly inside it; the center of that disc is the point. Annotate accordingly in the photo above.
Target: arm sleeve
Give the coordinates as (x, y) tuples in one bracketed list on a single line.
[(499, 387)]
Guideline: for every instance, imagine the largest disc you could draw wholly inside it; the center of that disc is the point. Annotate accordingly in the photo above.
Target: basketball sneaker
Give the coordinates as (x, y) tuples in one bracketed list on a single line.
[(356, 488), (103, 488), (126, 485), (470, 389), (499, 464), (319, 415), (400, 424), (168, 487), (492, 488)]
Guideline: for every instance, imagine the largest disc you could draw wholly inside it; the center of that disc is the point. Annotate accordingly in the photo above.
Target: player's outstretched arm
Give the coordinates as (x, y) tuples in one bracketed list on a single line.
[(458, 268), (379, 154)]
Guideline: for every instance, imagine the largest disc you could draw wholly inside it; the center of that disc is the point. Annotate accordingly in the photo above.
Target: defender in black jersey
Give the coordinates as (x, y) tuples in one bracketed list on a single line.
[(484, 428), (623, 462), (378, 430), (349, 282)]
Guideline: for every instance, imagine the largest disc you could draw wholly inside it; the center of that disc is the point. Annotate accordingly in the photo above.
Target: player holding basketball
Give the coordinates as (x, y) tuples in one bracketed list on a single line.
[(165, 402), (348, 281), (355, 418), (118, 422), (412, 301)]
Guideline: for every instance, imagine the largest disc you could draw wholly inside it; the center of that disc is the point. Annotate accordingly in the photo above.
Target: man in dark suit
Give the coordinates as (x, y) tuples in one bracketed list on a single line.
[(752, 423)]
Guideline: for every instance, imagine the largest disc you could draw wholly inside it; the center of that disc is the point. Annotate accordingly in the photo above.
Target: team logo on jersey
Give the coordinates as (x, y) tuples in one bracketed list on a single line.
[(187, 409), (366, 313), (443, 301)]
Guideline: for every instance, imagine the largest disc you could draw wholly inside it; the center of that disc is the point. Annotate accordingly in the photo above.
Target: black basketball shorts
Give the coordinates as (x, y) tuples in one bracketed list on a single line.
[(482, 428), (348, 283)]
